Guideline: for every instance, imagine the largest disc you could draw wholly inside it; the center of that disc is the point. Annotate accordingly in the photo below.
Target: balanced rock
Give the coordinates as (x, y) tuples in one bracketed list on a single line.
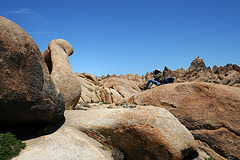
[(56, 56), (142, 133), (27, 93), (199, 105)]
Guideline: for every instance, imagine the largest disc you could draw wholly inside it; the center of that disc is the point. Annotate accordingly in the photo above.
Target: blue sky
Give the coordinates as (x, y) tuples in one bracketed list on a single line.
[(133, 36)]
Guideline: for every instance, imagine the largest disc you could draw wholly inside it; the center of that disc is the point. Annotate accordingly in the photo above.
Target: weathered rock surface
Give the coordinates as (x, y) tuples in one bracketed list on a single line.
[(67, 143), (124, 87), (88, 88), (142, 132), (199, 106), (27, 93), (56, 56), (225, 142)]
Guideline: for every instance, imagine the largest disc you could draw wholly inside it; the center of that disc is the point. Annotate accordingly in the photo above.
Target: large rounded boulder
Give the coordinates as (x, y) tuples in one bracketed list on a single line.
[(27, 93), (143, 132)]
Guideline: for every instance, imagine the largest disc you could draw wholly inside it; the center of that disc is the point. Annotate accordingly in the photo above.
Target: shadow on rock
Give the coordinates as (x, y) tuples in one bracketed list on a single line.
[(32, 130)]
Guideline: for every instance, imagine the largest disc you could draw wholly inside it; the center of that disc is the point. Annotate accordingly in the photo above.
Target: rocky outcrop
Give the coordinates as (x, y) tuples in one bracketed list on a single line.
[(200, 106), (56, 56), (223, 70), (124, 87), (109, 90), (197, 64), (197, 72), (88, 87), (136, 79), (27, 93), (141, 133)]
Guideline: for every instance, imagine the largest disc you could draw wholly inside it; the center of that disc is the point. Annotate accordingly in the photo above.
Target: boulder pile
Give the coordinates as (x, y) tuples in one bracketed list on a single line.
[(197, 116), (210, 111)]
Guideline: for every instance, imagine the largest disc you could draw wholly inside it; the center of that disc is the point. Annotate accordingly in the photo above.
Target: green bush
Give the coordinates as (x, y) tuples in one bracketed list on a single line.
[(10, 146)]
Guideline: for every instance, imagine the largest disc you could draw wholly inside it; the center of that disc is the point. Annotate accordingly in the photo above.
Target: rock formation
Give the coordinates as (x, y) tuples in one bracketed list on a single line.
[(66, 143), (124, 87), (56, 56), (110, 90), (201, 106), (197, 72), (89, 86), (197, 64), (27, 93), (142, 133)]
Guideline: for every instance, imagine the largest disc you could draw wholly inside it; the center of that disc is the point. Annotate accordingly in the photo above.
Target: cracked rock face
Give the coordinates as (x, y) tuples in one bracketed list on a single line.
[(142, 133), (27, 93), (200, 106), (56, 57)]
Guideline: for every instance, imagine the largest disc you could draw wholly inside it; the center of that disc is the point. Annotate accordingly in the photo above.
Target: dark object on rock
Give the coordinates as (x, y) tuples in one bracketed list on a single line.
[(27, 93)]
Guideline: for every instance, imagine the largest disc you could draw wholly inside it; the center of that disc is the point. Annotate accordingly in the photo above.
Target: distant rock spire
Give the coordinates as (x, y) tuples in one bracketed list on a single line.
[(198, 64)]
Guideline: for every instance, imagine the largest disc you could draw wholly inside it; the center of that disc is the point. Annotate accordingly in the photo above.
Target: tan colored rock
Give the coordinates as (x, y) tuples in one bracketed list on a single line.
[(142, 133), (197, 105), (89, 77), (116, 97), (94, 97), (27, 93), (103, 94), (123, 86), (87, 89), (61, 71)]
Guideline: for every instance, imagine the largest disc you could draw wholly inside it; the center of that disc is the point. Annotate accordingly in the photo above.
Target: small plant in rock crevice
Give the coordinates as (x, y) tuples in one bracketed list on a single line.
[(10, 146)]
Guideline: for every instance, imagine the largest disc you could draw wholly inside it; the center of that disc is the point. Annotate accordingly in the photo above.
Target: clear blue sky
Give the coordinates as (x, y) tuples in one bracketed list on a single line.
[(133, 36)]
